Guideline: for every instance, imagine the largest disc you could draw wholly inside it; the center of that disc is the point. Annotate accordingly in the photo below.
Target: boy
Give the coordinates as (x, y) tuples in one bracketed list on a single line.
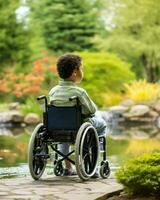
[(70, 70)]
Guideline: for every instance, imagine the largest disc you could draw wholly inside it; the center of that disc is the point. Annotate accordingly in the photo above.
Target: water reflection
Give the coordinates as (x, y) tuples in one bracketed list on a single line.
[(122, 143), (13, 145), (14, 171)]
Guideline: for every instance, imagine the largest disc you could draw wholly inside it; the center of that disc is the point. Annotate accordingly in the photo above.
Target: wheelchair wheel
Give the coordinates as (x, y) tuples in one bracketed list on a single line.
[(58, 169), (37, 153), (105, 169), (86, 151)]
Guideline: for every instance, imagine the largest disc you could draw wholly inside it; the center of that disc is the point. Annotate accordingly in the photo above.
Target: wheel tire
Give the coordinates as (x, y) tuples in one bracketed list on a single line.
[(36, 165), (105, 170), (86, 151), (58, 169)]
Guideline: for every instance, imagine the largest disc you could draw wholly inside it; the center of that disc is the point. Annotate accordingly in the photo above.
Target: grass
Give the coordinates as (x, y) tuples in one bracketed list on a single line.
[(3, 107)]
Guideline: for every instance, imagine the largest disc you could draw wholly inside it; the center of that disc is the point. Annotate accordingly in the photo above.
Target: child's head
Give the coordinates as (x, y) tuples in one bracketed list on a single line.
[(69, 67)]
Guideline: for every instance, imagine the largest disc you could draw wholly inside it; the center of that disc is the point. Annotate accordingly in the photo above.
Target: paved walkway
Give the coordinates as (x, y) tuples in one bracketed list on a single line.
[(57, 188)]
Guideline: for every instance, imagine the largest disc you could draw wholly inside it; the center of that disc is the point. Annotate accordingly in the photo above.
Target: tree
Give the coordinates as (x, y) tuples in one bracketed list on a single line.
[(14, 37), (67, 25), (136, 35)]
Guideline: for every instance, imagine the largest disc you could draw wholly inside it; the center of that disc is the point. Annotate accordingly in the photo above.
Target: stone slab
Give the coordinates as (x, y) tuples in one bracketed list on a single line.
[(57, 188)]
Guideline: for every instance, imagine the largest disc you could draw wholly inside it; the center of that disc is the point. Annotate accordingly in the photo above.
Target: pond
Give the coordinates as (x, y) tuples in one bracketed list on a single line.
[(123, 143)]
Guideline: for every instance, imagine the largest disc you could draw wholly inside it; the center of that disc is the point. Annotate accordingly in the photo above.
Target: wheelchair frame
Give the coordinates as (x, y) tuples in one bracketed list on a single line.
[(88, 145)]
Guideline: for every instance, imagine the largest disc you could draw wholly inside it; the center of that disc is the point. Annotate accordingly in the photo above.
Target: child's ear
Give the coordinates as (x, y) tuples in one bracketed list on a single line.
[(74, 72)]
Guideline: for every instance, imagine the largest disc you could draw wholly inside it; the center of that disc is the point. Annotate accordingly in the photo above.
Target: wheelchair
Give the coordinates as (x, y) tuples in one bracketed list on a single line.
[(64, 124)]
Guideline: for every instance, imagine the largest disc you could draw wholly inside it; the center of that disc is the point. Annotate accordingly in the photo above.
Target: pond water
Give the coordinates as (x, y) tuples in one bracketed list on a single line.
[(123, 143)]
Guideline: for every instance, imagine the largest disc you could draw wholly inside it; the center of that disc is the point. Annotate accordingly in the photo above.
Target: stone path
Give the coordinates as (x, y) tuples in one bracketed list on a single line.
[(57, 188)]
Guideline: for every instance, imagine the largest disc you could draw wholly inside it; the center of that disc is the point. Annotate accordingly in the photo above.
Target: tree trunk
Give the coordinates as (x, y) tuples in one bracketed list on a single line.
[(149, 70)]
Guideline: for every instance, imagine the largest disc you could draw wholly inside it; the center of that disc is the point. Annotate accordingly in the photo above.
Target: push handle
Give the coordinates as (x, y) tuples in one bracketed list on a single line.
[(74, 98), (45, 100), (41, 97)]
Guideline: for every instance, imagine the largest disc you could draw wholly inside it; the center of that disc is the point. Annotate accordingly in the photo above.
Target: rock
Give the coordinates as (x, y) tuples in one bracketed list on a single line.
[(16, 116), (156, 107), (139, 119), (4, 117), (157, 137), (158, 122), (153, 114), (11, 116), (32, 118), (127, 103), (139, 134), (137, 111), (14, 106), (119, 109)]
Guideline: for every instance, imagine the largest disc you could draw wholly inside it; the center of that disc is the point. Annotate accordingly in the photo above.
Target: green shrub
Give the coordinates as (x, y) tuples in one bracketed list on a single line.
[(31, 106), (142, 91), (141, 175), (104, 72)]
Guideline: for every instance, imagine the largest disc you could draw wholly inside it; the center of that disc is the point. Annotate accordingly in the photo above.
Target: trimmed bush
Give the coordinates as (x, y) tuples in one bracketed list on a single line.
[(141, 175)]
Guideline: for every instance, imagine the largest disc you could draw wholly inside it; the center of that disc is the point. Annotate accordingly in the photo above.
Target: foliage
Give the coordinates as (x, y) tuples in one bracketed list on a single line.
[(141, 91), (140, 176), (104, 77), (111, 98), (136, 35), (14, 37), (142, 146), (67, 25), (31, 106), (3, 107), (104, 73), (19, 86)]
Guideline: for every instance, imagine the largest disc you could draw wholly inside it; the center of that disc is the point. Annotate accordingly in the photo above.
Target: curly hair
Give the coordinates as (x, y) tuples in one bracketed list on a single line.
[(67, 63)]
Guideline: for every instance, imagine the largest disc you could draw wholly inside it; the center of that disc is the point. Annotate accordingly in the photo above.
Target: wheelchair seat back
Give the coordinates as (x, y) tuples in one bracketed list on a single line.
[(63, 118)]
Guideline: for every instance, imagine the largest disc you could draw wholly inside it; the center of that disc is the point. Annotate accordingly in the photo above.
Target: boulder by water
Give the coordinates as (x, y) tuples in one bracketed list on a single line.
[(127, 103), (156, 106), (11, 116), (137, 111), (14, 106), (129, 111), (119, 109), (31, 118)]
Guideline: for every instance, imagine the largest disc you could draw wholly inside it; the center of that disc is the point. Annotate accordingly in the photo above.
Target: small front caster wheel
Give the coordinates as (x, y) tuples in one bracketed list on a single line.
[(105, 169), (58, 169)]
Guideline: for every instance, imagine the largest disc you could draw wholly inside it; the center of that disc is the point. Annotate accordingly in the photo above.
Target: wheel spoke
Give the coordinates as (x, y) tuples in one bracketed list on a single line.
[(89, 163), (85, 163), (36, 168), (91, 139), (85, 149)]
